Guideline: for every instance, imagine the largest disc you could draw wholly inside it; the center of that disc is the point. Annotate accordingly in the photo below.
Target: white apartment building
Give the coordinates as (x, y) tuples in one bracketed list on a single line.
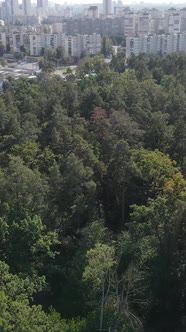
[(17, 39), (91, 43), (39, 41), (147, 44), (156, 44), (132, 46), (73, 45), (182, 42)]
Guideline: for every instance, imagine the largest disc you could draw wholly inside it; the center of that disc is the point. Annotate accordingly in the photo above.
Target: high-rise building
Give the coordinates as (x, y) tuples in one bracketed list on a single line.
[(144, 23), (174, 23), (42, 3), (12, 7), (27, 8), (107, 7), (93, 12), (129, 22)]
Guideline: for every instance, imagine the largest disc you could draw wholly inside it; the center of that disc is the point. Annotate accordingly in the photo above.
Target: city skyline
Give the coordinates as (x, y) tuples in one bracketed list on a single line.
[(132, 2)]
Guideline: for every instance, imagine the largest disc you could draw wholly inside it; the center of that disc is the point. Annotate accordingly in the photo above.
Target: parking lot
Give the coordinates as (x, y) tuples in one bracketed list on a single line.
[(22, 69)]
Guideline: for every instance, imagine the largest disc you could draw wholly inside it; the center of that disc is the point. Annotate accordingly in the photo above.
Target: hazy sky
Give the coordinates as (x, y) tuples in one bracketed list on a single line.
[(175, 2), (129, 1), (125, 1)]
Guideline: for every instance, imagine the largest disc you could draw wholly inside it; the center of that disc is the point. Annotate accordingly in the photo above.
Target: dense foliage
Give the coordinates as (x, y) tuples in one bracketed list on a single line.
[(93, 198)]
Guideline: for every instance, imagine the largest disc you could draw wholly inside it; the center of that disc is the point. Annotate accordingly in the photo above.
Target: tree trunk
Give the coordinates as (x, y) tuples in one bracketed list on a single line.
[(123, 206), (102, 305)]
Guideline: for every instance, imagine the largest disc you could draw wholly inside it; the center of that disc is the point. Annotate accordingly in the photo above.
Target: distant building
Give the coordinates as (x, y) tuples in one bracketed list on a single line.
[(144, 23), (130, 24), (67, 12), (183, 19), (42, 3), (107, 7), (11, 7), (57, 28), (120, 9), (24, 20), (157, 21), (174, 23), (93, 12), (27, 7)]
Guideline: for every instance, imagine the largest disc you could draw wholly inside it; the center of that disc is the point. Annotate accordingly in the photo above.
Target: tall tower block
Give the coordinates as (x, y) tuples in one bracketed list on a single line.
[(107, 7)]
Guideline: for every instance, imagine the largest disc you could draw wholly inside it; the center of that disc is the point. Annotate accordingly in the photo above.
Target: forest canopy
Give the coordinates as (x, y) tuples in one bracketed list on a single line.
[(93, 198)]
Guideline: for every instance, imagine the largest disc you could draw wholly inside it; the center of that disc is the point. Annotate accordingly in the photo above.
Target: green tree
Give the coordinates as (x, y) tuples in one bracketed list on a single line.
[(16, 312), (60, 52), (21, 186), (47, 65), (106, 46), (24, 50), (50, 54)]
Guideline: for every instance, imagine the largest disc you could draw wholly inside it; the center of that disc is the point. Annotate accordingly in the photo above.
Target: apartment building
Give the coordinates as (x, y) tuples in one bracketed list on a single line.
[(92, 43), (16, 39), (132, 46), (156, 44), (73, 45), (93, 12), (174, 23), (129, 24), (157, 21), (144, 24), (39, 41), (183, 19)]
